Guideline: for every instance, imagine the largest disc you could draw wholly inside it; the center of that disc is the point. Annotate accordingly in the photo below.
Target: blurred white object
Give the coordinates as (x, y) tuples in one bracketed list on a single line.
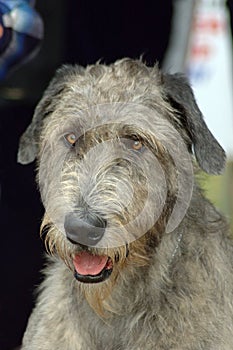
[(206, 57)]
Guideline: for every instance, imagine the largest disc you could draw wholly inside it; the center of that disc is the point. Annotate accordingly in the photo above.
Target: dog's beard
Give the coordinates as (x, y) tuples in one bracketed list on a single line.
[(125, 262)]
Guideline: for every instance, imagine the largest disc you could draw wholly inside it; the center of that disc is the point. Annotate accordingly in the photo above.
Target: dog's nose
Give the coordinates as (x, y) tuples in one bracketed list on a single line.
[(86, 232)]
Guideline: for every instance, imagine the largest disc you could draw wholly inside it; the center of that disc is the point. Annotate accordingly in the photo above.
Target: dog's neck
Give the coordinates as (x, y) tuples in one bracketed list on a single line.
[(179, 239)]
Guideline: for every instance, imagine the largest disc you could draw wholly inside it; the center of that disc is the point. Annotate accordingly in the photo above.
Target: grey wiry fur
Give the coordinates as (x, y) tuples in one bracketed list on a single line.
[(169, 288)]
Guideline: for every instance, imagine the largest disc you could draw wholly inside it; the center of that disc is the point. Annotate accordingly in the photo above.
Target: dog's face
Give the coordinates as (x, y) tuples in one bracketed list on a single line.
[(114, 163)]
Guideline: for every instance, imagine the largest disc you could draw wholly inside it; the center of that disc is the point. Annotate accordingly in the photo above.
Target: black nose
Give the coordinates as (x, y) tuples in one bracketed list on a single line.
[(88, 231)]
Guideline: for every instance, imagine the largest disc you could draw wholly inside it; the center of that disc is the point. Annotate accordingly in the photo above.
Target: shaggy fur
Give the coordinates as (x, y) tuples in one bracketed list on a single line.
[(171, 285)]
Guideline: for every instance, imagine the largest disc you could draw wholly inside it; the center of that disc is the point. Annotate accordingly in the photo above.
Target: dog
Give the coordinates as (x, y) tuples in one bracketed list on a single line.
[(139, 258)]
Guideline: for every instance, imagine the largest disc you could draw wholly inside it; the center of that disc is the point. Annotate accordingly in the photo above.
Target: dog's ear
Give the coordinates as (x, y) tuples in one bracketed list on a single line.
[(28, 145), (209, 154)]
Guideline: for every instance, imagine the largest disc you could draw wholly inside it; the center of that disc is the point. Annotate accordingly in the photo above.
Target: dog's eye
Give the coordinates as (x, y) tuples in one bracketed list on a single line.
[(133, 143), (70, 139), (137, 145)]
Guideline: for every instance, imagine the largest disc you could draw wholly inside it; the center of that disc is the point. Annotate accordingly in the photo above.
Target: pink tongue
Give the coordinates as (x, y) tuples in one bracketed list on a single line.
[(88, 264)]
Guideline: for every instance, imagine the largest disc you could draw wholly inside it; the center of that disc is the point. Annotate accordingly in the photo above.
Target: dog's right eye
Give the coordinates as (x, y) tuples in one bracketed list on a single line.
[(70, 139)]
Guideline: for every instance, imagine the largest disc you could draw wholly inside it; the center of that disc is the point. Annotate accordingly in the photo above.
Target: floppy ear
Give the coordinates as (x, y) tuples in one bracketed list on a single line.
[(28, 145), (209, 154)]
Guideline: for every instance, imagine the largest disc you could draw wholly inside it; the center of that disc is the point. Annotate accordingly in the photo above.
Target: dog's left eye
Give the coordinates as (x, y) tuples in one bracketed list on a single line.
[(137, 145), (70, 139), (133, 144)]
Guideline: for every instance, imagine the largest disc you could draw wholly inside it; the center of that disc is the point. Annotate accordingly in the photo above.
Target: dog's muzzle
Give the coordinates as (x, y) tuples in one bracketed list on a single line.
[(89, 268), (86, 232)]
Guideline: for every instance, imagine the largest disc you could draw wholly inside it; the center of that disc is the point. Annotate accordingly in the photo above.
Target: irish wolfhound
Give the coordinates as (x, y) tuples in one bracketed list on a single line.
[(139, 258)]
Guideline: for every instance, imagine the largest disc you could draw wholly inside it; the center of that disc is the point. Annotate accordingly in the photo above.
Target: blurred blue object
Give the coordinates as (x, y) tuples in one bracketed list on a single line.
[(21, 31)]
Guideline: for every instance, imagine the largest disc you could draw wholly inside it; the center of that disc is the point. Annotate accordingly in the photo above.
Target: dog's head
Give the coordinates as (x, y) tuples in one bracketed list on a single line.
[(114, 145), (174, 88)]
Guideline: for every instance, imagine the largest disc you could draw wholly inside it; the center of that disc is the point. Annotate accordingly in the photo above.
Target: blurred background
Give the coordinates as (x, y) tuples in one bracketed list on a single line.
[(194, 37)]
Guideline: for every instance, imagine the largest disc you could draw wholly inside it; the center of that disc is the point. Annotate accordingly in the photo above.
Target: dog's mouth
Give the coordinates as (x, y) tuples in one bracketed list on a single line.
[(91, 268)]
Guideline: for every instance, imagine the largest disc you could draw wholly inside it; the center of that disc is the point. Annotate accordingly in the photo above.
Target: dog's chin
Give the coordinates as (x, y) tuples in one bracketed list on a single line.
[(91, 268)]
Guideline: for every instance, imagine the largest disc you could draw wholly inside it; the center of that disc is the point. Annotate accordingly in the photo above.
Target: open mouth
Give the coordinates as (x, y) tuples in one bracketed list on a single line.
[(91, 268)]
